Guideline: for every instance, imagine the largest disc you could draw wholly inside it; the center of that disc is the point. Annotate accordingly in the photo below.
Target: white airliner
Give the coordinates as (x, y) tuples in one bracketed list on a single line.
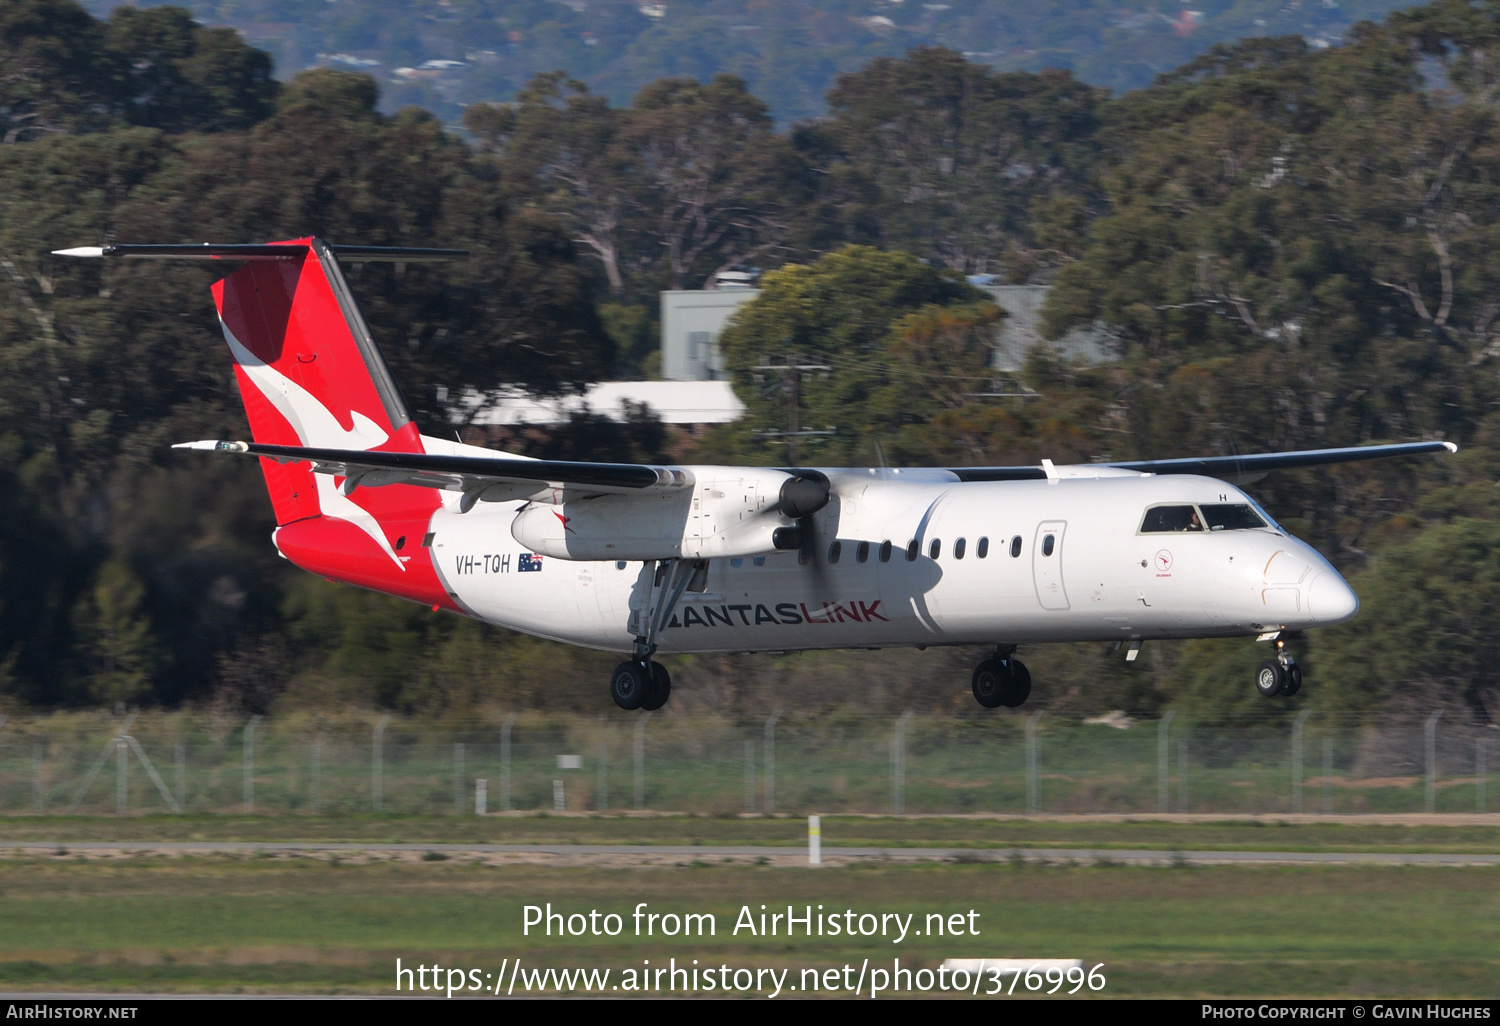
[(645, 559)]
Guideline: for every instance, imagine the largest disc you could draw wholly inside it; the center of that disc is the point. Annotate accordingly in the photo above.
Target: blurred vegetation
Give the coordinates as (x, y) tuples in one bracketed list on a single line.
[(788, 51), (1289, 244)]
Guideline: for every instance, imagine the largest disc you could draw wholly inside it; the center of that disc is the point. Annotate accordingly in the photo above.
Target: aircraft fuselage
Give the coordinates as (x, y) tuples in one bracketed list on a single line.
[(926, 562)]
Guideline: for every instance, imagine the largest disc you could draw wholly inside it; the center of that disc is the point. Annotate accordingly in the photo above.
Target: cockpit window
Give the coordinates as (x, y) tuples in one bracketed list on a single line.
[(1232, 516), (1214, 516), (1167, 519)]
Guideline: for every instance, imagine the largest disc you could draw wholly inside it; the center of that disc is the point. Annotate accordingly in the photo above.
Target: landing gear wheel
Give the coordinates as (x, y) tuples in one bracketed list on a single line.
[(1270, 678), (659, 690), (1020, 685), (1293, 682), (628, 685), (989, 683)]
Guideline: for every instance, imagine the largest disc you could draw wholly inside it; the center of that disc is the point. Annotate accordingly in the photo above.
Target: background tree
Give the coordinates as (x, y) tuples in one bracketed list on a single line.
[(713, 184), (943, 158), (845, 312), (107, 364), (562, 138), (1261, 227), (182, 77), (55, 75), (114, 637)]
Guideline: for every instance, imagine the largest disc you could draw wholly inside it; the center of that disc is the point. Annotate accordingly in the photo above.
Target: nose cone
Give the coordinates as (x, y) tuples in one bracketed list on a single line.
[(1330, 599)]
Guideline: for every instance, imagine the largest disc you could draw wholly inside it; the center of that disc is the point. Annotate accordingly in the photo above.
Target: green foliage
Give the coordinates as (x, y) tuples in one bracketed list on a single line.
[(1297, 253), (182, 77), (690, 180), (365, 650), (923, 142), (1428, 622), (789, 53), (128, 574), (842, 313), (634, 330), (114, 637), (53, 76), (62, 71)]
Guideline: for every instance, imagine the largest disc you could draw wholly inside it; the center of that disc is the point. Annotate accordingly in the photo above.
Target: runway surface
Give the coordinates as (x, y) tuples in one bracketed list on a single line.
[(830, 854)]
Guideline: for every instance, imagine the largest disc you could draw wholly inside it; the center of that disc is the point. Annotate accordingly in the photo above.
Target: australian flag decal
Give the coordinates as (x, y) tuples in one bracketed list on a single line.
[(528, 562)]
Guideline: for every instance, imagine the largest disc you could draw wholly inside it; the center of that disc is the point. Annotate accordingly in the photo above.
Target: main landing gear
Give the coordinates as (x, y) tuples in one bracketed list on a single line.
[(1002, 679), (640, 685), (1279, 676)]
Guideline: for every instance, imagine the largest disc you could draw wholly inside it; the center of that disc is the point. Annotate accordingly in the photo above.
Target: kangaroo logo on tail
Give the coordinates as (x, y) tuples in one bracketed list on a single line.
[(316, 426), (310, 374)]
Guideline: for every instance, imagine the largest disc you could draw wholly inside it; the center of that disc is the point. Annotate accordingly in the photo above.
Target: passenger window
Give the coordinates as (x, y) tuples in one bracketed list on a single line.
[(912, 549), (1015, 547), (619, 564), (1048, 543), (983, 548), (737, 562), (835, 551), (1232, 516), (885, 551), (958, 549), (760, 560), (935, 549), (803, 556), (862, 552), (1171, 519)]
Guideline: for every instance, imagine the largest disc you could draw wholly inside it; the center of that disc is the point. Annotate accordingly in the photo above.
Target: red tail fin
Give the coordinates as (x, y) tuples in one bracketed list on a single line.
[(308, 370), (310, 374)]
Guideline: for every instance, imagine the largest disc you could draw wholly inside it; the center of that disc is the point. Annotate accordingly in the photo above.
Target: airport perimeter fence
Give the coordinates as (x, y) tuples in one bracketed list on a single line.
[(716, 766)]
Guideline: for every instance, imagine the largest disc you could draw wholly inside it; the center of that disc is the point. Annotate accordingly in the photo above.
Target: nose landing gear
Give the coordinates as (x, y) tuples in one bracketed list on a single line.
[(1001, 680), (1279, 676)]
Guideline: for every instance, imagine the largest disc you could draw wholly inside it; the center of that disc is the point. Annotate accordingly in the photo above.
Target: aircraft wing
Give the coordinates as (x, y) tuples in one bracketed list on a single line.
[(1239, 469), (495, 479), (501, 479)]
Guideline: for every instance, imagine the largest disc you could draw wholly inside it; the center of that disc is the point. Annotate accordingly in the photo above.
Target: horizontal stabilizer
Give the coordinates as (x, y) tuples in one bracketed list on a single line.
[(275, 251)]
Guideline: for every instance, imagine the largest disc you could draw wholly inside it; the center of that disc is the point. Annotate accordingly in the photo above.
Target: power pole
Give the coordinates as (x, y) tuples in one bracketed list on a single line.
[(791, 385)]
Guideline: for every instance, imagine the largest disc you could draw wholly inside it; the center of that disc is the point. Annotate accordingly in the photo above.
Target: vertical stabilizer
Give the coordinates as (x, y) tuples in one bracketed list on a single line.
[(309, 372)]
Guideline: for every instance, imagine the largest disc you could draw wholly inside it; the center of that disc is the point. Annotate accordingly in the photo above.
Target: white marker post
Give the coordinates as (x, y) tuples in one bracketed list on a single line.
[(481, 793), (814, 840)]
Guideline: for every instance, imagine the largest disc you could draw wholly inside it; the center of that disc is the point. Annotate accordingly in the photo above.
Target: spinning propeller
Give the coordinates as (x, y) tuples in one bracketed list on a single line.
[(802, 498)]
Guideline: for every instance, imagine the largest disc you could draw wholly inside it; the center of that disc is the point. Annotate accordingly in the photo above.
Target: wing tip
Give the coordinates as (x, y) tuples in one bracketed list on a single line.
[(85, 252), (1451, 446)]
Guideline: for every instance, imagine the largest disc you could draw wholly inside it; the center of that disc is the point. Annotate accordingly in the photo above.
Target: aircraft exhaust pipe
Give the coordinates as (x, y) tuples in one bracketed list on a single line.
[(787, 538)]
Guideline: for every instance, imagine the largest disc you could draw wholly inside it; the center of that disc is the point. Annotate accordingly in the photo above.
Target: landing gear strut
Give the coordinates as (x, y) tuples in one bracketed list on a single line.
[(639, 683), (1002, 679), (1279, 676)]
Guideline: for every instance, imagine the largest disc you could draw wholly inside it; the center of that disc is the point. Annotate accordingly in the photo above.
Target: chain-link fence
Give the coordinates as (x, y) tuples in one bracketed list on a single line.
[(800, 764)]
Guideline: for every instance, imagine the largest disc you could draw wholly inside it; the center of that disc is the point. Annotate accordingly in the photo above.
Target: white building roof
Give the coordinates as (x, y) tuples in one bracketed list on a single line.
[(673, 402)]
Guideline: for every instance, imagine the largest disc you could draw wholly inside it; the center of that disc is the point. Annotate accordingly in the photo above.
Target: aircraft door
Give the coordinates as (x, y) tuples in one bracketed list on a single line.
[(1046, 564)]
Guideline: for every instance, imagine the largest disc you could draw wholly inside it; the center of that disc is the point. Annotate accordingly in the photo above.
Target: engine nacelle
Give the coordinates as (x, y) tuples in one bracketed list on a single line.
[(731, 512)]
